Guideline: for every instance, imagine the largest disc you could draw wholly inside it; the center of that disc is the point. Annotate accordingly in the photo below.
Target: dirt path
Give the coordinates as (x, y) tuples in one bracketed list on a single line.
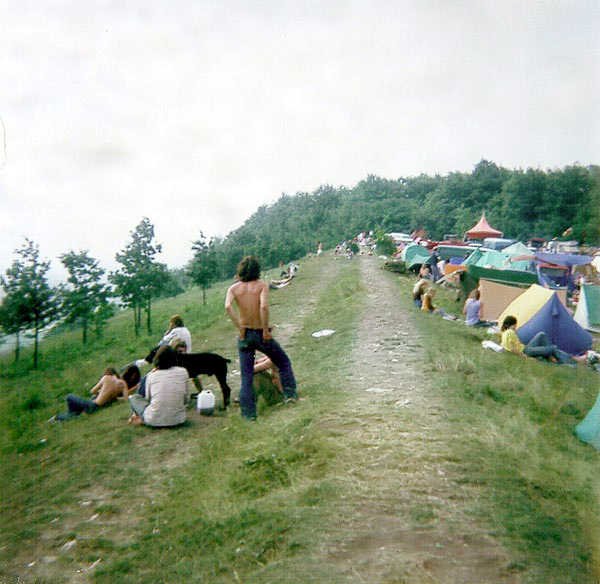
[(406, 517)]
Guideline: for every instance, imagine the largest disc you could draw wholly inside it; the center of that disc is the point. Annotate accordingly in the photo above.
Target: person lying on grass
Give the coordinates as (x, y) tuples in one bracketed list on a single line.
[(109, 388), (166, 393), (538, 346)]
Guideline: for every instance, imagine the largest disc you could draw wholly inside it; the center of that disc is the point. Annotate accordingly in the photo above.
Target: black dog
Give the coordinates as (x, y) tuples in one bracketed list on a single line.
[(203, 364)]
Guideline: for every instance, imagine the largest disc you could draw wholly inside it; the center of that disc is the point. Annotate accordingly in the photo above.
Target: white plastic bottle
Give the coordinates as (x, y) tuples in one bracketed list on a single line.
[(206, 402)]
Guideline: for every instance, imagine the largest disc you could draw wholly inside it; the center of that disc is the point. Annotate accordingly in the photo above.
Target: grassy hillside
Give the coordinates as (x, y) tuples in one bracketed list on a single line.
[(223, 500)]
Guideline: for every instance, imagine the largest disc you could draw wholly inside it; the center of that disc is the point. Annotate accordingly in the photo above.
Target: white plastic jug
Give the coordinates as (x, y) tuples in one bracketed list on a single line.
[(206, 402)]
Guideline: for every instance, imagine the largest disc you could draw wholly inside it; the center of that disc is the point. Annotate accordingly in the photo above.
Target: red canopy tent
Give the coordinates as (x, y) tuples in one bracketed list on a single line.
[(482, 230)]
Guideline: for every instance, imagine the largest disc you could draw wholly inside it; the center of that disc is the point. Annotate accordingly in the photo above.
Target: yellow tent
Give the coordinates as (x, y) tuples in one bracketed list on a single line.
[(527, 304)]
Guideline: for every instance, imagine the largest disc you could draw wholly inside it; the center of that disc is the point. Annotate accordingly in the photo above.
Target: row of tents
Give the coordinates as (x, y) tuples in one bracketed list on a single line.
[(533, 287)]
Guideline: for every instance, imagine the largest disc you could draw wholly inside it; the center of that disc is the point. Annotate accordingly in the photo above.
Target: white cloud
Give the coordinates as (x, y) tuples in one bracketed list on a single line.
[(194, 114)]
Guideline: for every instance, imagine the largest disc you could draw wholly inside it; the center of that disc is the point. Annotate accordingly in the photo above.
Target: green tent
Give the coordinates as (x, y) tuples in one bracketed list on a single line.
[(415, 255), (487, 259), (518, 250), (587, 314)]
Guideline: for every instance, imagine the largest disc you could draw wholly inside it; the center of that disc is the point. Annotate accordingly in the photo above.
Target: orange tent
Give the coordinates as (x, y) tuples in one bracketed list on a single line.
[(482, 230)]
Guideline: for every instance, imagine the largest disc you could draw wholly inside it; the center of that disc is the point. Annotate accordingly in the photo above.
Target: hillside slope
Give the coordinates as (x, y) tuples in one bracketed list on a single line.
[(388, 470)]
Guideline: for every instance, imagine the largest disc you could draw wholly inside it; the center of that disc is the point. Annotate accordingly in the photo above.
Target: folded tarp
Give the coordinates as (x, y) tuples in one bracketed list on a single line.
[(564, 259)]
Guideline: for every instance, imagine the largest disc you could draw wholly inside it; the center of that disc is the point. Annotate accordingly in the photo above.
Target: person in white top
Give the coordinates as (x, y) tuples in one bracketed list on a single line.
[(177, 330), (166, 393)]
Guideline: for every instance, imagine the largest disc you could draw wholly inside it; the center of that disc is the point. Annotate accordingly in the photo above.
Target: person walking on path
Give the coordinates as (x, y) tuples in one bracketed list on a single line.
[(250, 315)]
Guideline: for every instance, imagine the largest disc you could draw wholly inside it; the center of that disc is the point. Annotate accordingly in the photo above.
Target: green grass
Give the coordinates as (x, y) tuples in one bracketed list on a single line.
[(514, 421), (226, 508), (223, 500)]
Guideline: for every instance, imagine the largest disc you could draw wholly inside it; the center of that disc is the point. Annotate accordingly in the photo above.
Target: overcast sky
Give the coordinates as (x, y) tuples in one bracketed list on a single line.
[(193, 113)]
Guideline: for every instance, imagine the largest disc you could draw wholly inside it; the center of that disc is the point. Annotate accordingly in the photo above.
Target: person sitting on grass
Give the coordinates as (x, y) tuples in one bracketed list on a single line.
[(166, 393), (420, 287), (427, 304), (264, 364), (109, 388), (472, 310), (539, 346)]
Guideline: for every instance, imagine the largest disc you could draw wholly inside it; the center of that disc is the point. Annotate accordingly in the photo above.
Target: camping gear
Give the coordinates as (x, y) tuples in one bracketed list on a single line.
[(539, 309), (415, 256), (495, 297), (206, 402), (588, 308), (564, 259), (588, 430)]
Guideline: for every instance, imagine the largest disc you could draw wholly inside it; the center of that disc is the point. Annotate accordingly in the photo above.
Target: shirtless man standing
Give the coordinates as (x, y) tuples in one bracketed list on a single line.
[(251, 296)]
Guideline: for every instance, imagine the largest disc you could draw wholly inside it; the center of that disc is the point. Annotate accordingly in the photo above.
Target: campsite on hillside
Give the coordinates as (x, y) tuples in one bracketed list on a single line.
[(420, 448), (300, 292)]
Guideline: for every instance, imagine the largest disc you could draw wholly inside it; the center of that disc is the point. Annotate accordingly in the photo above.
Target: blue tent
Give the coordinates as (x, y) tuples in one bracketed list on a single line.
[(554, 319), (564, 259), (539, 309)]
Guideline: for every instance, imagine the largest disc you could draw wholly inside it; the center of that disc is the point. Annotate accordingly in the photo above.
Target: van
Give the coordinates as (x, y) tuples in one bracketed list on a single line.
[(497, 243)]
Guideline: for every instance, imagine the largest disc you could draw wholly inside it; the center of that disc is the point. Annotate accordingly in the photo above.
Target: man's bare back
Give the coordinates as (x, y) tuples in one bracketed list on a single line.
[(252, 301), (108, 389)]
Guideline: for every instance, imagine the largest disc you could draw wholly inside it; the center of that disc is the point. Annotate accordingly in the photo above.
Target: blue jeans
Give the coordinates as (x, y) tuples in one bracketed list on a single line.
[(247, 346), (77, 405), (540, 346)]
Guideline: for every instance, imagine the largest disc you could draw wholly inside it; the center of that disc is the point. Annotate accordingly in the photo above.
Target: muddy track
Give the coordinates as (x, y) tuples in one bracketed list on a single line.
[(407, 513)]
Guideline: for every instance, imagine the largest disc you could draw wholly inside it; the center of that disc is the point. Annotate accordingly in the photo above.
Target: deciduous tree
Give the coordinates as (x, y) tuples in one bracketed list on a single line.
[(203, 267), (85, 295), (30, 301), (140, 278)]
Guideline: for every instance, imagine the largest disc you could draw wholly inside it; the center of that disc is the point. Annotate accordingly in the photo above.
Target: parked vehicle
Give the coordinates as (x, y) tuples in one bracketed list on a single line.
[(497, 243)]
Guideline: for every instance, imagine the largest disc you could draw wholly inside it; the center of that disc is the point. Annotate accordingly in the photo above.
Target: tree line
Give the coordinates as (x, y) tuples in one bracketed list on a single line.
[(522, 203), (86, 299)]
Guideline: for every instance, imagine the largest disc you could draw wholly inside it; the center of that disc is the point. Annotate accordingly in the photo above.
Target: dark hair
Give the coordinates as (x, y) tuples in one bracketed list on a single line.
[(111, 371), (248, 269), (131, 375), (475, 294), (178, 344), (508, 322), (175, 322), (165, 358)]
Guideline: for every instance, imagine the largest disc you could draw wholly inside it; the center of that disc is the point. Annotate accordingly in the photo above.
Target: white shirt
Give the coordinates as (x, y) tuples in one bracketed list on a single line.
[(179, 332), (167, 391)]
